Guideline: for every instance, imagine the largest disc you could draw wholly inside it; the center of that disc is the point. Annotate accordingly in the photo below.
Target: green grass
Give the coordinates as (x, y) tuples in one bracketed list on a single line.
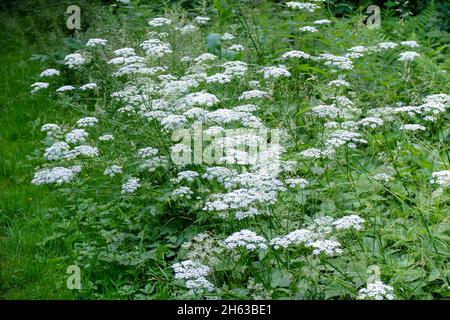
[(23, 207)]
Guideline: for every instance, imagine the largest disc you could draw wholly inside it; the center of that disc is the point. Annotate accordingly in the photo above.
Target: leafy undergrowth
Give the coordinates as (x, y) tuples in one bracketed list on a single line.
[(233, 151)]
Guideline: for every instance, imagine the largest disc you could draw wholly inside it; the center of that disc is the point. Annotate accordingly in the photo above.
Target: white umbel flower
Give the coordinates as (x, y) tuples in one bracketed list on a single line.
[(88, 86), (275, 72), (159, 22), (113, 170), (349, 222), (410, 43), (441, 178), (376, 291), (87, 122), (106, 137), (56, 175), (295, 54), (39, 86), (76, 136), (408, 56), (253, 94), (412, 127), (131, 185), (95, 42), (308, 29), (56, 151), (65, 88), (50, 73), (182, 193), (328, 247), (245, 239), (74, 60), (190, 269), (305, 6), (202, 20)]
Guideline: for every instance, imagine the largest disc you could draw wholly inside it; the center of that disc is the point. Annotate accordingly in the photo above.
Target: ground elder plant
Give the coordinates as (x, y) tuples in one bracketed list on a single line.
[(279, 153)]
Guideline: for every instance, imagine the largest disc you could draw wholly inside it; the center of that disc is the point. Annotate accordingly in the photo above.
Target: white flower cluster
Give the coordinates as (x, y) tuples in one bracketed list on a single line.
[(195, 275), (306, 6), (88, 86), (182, 193), (172, 122), (316, 235), (323, 21), (275, 72), (408, 56), (189, 28), (410, 43), (87, 122), (308, 29), (376, 291), (39, 86), (56, 151), (147, 152), (76, 136), (219, 173), (386, 45), (227, 36), (187, 175), (442, 178), (200, 99), (51, 129), (336, 61), (246, 239), (65, 88), (253, 94), (49, 73), (131, 185), (106, 137), (86, 151), (235, 68), (202, 20), (56, 175), (113, 170), (295, 54), (383, 177), (349, 222), (156, 48), (311, 153), (239, 199), (159, 22), (236, 48), (190, 269), (340, 138), (95, 42), (297, 237), (372, 122), (220, 78), (74, 60), (329, 247), (339, 83), (296, 182), (124, 52), (413, 127), (326, 111), (199, 285)]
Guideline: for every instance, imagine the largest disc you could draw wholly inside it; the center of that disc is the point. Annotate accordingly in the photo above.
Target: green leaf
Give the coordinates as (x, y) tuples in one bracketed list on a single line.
[(281, 278)]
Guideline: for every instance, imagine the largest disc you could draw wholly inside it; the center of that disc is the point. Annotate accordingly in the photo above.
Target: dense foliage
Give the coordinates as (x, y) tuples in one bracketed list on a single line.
[(324, 170)]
